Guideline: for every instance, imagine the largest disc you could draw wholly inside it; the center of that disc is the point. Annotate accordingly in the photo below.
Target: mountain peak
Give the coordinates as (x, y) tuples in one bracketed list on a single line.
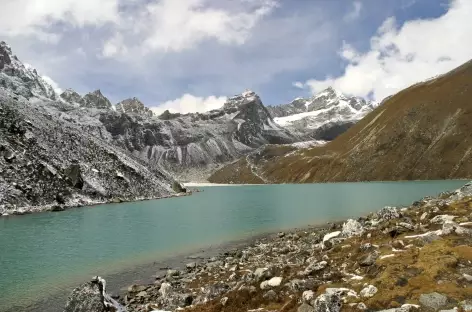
[(133, 105), (96, 99), (70, 96), (21, 78)]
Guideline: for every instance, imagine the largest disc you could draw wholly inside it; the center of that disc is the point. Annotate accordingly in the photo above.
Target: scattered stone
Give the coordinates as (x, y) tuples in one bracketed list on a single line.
[(263, 274), (306, 308), (327, 303), (388, 213), (369, 291), (328, 237), (434, 301), (308, 296), (224, 300), (423, 216), (270, 295), (441, 219), (352, 228), (369, 259), (361, 306), (315, 267), (467, 277), (273, 282), (92, 297)]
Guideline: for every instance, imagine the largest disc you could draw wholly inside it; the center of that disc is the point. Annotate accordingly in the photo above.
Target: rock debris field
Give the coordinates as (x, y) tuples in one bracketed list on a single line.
[(416, 258)]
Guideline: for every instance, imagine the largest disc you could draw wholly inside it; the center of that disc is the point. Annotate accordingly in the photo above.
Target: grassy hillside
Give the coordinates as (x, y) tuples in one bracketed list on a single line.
[(423, 132)]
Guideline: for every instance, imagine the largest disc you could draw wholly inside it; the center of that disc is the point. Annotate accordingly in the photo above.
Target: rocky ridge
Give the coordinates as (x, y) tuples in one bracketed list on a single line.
[(21, 79), (50, 161), (415, 258), (55, 154), (193, 145), (133, 106)]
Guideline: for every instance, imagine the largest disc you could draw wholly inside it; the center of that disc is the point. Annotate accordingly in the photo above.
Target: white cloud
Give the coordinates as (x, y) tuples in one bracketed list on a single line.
[(34, 17), (298, 84), (114, 46), (53, 84), (400, 57), (177, 25), (190, 104), (355, 12)]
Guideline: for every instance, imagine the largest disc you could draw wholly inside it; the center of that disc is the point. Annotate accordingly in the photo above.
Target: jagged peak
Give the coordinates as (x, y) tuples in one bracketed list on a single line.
[(97, 92), (5, 46)]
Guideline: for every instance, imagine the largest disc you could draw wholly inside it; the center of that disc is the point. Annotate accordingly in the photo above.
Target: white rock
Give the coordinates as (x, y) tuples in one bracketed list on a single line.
[(343, 292), (423, 216), (165, 289), (369, 291), (262, 273), (441, 219), (386, 256), (329, 237), (308, 295), (224, 300), (352, 228), (467, 277), (362, 306), (273, 282)]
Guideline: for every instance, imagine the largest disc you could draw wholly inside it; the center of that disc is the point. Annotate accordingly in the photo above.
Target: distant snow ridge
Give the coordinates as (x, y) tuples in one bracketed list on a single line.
[(323, 116)]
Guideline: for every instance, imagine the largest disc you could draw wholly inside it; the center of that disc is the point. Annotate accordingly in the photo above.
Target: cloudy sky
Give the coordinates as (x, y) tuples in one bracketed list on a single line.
[(188, 55)]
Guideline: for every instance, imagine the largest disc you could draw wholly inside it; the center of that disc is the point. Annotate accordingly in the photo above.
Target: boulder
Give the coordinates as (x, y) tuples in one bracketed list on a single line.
[(327, 303), (369, 291), (352, 228), (92, 297), (305, 308), (308, 296), (434, 301), (263, 274), (273, 282), (315, 267), (329, 237), (388, 213), (441, 219)]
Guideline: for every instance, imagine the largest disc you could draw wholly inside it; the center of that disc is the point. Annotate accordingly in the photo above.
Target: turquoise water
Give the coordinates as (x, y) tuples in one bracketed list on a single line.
[(47, 252)]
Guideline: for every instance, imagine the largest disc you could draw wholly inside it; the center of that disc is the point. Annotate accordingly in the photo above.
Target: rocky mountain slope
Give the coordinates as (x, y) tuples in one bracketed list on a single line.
[(192, 145), (55, 155), (422, 132), (323, 116)]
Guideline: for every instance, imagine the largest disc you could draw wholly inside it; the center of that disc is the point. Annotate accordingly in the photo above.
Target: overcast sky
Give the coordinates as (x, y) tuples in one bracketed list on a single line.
[(189, 55)]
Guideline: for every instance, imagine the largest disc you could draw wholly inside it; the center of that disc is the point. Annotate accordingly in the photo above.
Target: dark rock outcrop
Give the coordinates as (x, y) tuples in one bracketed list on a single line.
[(92, 297)]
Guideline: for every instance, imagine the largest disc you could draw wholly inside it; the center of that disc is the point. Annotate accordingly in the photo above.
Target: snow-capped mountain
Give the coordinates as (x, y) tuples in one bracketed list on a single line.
[(323, 116), (187, 145), (21, 79)]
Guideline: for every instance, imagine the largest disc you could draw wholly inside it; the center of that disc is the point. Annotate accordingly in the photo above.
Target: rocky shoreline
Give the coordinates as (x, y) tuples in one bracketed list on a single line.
[(401, 259), (82, 202)]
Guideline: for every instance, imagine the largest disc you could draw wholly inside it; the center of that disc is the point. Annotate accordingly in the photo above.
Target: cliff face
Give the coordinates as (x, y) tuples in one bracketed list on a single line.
[(423, 132)]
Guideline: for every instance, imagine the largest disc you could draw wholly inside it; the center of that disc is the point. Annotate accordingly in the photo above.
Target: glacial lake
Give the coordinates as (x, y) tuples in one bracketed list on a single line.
[(48, 253)]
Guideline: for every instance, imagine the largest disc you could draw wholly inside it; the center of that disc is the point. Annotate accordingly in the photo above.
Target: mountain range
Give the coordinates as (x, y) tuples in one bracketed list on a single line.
[(78, 149), (422, 132)]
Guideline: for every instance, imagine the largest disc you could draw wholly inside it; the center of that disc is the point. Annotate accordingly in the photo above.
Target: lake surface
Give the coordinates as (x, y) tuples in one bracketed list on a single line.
[(44, 253)]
